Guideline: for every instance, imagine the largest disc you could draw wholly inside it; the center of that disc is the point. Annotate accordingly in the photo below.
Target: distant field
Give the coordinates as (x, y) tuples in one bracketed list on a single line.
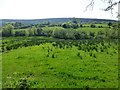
[(104, 25), (20, 29), (92, 29), (53, 28), (87, 29)]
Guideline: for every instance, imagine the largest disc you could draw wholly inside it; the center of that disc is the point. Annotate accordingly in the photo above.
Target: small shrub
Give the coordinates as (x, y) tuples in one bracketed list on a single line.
[(22, 83), (90, 53), (78, 54), (114, 52), (79, 48), (94, 55), (8, 48), (53, 56), (96, 49), (102, 50), (93, 26), (47, 55), (48, 51), (107, 52), (80, 57), (88, 49)]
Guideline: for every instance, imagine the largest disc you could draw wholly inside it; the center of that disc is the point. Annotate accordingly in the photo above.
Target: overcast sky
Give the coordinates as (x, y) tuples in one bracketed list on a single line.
[(38, 9)]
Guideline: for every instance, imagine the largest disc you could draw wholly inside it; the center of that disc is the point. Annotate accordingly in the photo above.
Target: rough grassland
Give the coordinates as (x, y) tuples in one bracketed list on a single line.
[(61, 68)]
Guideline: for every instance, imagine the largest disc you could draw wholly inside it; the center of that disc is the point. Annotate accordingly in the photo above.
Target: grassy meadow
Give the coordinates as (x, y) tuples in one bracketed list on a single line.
[(84, 58)]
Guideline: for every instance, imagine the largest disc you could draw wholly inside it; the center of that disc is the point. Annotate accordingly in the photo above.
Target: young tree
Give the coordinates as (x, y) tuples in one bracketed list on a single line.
[(92, 34), (17, 25), (7, 30), (34, 29), (30, 32), (92, 26), (81, 25), (77, 35), (109, 24), (47, 33), (20, 33), (60, 34), (75, 26), (66, 25), (75, 20)]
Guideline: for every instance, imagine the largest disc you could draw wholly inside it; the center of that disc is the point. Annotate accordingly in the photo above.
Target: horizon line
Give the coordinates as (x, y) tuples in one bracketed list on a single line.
[(55, 18)]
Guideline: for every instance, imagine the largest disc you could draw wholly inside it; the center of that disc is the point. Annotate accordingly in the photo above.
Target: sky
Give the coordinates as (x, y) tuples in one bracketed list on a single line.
[(39, 9)]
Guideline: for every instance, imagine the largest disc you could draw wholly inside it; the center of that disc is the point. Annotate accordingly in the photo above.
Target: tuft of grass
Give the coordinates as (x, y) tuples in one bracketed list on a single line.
[(53, 56)]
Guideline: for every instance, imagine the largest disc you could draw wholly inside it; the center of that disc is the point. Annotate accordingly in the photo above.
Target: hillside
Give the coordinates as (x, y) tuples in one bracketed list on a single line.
[(55, 20)]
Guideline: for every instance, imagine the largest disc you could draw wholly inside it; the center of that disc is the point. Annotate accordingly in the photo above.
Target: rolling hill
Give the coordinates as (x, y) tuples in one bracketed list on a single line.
[(55, 20)]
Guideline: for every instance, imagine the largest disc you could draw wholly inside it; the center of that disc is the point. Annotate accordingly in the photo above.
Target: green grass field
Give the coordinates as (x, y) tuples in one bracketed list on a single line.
[(48, 66), (43, 57), (105, 25), (53, 28), (87, 29)]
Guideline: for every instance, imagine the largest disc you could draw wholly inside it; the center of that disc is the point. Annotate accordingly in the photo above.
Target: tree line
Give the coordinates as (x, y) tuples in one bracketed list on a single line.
[(61, 34), (67, 33)]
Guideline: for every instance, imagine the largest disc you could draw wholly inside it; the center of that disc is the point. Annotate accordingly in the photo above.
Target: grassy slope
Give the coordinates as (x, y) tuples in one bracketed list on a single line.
[(53, 28), (82, 29), (103, 24), (65, 70), (87, 29)]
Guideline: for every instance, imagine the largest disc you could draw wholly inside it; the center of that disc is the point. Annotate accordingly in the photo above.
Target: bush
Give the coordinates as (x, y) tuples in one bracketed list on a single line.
[(77, 35), (19, 33), (53, 56), (92, 34), (90, 53), (75, 26), (66, 25), (79, 55), (22, 83), (59, 34), (47, 33), (100, 26), (94, 55), (93, 26)]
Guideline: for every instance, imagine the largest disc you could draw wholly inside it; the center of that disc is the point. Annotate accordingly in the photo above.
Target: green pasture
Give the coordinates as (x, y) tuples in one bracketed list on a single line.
[(48, 66)]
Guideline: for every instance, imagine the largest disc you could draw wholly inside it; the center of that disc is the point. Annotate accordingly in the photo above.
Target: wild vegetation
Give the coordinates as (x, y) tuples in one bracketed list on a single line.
[(67, 55)]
